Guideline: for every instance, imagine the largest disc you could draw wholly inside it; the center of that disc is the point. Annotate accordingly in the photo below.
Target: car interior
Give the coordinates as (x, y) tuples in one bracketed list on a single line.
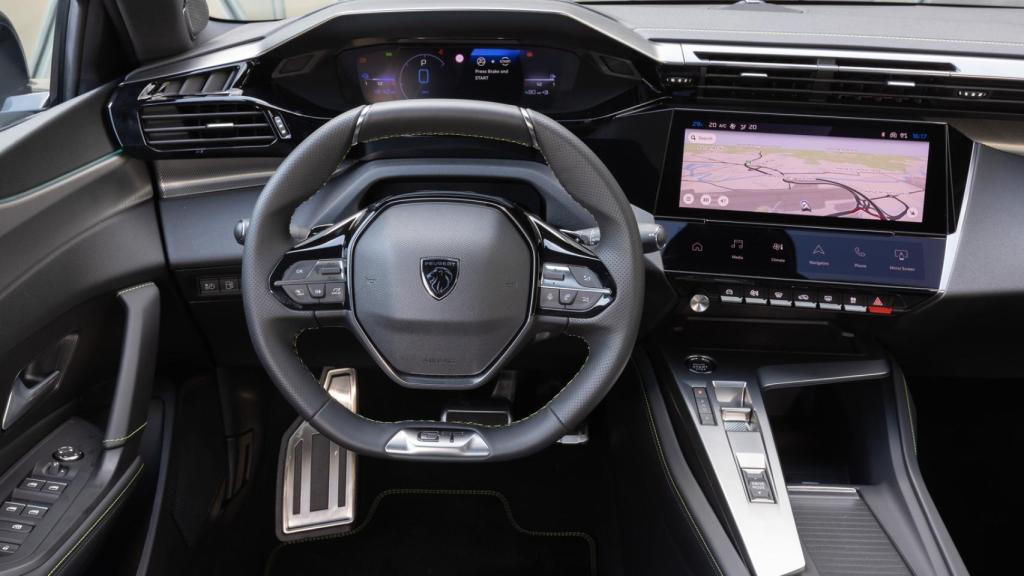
[(530, 287)]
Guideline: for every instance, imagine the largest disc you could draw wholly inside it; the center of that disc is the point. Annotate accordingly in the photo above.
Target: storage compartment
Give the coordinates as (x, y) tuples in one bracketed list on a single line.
[(830, 434)]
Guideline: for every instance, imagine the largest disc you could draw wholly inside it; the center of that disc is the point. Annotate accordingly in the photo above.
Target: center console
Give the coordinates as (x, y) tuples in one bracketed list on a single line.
[(807, 458), (813, 213)]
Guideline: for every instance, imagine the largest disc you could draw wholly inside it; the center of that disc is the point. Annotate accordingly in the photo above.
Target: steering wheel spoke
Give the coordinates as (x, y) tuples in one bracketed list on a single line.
[(313, 275), (573, 282), (443, 288)]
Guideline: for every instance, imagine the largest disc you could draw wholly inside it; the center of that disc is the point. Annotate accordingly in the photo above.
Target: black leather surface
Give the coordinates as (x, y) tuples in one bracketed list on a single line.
[(274, 328), (443, 117), (610, 336)]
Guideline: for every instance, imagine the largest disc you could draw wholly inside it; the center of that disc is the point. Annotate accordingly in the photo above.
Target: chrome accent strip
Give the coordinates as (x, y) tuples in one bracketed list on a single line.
[(447, 442), (820, 489), (359, 123), (953, 240), (529, 127), (964, 66)]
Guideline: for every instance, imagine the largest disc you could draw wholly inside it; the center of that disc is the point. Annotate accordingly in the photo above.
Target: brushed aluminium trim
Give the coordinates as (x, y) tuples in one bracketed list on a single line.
[(341, 386), (964, 66), (767, 531)]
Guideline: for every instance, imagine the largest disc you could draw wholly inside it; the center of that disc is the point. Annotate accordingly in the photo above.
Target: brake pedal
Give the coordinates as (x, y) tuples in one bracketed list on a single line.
[(316, 477)]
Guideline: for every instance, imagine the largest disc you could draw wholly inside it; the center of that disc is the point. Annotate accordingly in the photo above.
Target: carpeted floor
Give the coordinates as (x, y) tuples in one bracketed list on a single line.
[(439, 532)]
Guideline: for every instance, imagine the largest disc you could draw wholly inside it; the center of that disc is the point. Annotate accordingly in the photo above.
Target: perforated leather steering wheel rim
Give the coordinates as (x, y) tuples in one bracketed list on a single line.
[(609, 336)]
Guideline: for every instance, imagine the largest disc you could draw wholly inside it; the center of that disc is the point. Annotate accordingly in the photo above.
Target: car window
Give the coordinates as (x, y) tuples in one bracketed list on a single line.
[(263, 9), (26, 47)]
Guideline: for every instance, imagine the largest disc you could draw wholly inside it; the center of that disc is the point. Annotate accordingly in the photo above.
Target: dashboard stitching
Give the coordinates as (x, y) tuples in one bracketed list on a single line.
[(836, 35)]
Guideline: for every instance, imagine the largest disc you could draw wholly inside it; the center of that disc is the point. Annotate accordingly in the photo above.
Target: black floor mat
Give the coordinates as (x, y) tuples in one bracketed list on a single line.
[(439, 532)]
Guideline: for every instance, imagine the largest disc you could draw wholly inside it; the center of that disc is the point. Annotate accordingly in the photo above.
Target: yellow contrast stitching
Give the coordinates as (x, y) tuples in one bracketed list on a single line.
[(74, 548)]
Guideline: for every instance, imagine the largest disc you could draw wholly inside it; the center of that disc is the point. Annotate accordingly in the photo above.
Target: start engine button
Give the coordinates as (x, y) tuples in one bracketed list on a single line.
[(700, 364)]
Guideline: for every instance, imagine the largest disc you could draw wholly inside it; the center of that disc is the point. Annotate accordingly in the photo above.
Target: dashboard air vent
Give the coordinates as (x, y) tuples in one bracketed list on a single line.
[(204, 125), (219, 81), (825, 86)]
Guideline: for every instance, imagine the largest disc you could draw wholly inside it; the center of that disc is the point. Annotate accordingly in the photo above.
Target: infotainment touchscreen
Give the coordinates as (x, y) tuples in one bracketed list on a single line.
[(808, 171)]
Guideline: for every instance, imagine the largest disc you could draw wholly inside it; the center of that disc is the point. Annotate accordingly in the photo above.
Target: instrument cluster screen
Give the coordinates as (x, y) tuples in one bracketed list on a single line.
[(533, 77)]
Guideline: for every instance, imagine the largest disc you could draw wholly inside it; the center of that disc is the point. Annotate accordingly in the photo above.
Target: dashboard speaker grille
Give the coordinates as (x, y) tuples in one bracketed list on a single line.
[(203, 125)]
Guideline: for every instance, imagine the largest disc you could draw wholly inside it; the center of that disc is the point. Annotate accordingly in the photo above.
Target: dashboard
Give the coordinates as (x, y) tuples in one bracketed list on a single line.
[(527, 76), (792, 178)]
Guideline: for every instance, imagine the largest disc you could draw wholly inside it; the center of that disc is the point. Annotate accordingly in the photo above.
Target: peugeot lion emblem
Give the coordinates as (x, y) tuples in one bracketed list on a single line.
[(439, 275)]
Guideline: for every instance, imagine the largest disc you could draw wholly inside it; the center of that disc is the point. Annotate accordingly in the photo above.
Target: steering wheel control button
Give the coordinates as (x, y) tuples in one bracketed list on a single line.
[(298, 271), (585, 277), (700, 303), (328, 268), (731, 294), (67, 454), (316, 290), (755, 295), (8, 548), (33, 511), (334, 293), (299, 294), (33, 484), (780, 297), (549, 299), (699, 364), (12, 508), (585, 300), (829, 300), (555, 273), (566, 297), (16, 527)]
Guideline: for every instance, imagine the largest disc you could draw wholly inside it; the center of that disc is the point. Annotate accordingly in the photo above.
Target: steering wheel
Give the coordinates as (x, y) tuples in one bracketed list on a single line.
[(443, 289)]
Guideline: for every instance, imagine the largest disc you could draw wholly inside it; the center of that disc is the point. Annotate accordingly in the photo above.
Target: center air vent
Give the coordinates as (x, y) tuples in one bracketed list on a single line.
[(197, 126), (839, 86)]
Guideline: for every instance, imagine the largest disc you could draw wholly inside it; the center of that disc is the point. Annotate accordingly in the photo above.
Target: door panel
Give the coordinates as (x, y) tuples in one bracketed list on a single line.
[(77, 225)]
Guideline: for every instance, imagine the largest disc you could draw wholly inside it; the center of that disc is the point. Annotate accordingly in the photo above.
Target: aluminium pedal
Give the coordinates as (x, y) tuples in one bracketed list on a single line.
[(316, 477)]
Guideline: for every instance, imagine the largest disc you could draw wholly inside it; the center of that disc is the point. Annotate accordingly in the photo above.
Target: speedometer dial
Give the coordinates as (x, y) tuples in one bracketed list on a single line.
[(423, 76)]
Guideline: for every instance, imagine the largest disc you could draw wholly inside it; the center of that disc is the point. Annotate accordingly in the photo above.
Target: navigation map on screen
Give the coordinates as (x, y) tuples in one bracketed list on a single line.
[(797, 174)]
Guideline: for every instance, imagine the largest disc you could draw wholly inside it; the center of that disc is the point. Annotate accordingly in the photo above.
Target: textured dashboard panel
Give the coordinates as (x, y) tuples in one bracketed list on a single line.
[(843, 537)]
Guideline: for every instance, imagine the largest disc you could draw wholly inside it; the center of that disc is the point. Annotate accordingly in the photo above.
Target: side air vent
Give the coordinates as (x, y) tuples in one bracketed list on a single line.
[(836, 86), (204, 125), (219, 81)]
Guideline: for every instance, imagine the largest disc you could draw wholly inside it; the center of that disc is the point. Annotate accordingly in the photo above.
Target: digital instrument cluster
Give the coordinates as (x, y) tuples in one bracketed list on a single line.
[(534, 77)]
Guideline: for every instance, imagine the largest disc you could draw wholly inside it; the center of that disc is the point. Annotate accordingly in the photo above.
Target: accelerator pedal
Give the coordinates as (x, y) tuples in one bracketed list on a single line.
[(316, 478)]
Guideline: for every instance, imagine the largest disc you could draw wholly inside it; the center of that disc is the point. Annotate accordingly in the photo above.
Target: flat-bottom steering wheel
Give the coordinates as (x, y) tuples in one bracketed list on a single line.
[(443, 289)]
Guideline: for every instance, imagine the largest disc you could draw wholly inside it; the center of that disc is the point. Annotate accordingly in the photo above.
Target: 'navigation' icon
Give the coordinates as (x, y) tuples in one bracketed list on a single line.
[(819, 251)]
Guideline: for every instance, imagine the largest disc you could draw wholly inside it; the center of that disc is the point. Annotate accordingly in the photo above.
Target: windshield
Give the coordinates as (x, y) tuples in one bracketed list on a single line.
[(279, 9)]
